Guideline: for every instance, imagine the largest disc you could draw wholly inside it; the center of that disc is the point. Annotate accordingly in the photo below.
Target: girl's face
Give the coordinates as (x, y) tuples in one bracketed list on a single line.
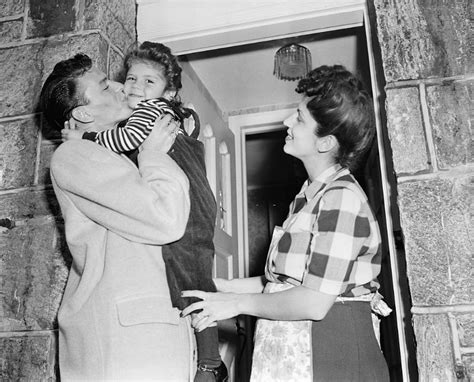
[(144, 81), (301, 140)]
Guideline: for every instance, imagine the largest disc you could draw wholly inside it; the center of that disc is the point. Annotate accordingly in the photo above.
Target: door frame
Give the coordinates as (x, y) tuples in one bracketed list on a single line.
[(241, 126), (261, 122), (263, 21)]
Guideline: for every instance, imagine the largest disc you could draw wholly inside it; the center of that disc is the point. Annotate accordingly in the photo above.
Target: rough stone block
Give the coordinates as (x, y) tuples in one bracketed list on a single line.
[(28, 204), (468, 361), (59, 49), (438, 230), (115, 19), (10, 31), (466, 329), (28, 358), (20, 78), (46, 152), (11, 7), (47, 18), (115, 66), (423, 38), (405, 129), (449, 107), (434, 348), (17, 153), (34, 272)]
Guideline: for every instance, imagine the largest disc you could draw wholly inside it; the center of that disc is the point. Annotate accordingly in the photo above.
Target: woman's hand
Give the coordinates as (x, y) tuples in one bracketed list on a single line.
[(162, 136), (214, 307)]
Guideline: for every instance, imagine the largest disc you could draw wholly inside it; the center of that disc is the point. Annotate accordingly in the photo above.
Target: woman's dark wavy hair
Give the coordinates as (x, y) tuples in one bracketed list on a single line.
[(341, 107), (157, 54), (59, 94)]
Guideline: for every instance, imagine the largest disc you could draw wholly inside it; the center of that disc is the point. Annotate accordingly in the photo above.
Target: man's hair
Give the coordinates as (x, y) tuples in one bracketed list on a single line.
[(159, 55), (60, 93), (341, 107)]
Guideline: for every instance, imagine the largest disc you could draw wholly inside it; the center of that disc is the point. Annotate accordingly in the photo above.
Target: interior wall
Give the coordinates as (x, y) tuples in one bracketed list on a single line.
[(35, 34)]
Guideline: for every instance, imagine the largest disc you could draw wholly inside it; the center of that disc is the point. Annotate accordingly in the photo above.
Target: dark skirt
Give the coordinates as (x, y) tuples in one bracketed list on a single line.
[(344, 346)]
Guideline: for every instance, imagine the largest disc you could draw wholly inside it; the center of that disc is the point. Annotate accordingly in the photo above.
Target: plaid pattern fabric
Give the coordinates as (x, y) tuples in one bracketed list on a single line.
[(330, 241), (138, 127)]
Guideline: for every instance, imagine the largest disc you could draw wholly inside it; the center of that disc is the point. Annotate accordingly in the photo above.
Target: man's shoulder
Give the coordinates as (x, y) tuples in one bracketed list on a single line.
[(79, 147), (80, 152)]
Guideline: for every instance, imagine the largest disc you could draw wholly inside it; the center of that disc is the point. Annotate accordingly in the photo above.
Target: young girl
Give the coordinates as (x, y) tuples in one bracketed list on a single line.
[(153, 78), (314, 303)]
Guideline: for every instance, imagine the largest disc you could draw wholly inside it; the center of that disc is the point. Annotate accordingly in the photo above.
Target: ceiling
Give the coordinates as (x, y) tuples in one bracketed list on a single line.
[(242, 77), (230, 45)]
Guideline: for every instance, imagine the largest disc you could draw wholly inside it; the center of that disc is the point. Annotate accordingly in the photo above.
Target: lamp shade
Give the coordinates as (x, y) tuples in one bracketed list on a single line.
[(292, 62)]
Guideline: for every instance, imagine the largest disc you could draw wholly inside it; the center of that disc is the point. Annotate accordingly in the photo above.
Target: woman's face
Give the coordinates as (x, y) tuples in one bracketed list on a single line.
[(144, 81), (301, 139)]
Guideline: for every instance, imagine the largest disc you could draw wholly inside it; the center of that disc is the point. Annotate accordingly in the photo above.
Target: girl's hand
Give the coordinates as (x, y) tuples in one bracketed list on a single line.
[(70, 131), (214, 307), (68, 134)]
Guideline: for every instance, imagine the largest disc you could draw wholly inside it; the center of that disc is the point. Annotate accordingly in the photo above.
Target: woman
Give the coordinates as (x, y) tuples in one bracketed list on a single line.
[(321, 272)]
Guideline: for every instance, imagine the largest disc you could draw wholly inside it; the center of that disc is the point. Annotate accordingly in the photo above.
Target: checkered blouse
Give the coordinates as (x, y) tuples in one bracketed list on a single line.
[(330, 241)]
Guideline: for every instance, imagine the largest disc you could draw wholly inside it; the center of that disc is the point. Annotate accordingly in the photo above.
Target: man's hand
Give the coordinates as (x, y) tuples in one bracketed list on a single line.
[(162, 136)]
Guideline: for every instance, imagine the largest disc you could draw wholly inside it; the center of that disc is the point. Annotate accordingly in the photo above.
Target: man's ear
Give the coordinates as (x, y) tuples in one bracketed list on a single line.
[(327, 143), (81, 114)]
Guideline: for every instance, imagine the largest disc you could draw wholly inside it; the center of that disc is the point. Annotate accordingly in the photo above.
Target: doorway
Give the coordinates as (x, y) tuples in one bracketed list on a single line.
[(243, 91), (273, 180), (397, 339)]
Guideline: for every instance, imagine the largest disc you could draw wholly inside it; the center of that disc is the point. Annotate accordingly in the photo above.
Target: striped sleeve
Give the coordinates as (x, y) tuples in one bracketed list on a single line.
[(136, 130)]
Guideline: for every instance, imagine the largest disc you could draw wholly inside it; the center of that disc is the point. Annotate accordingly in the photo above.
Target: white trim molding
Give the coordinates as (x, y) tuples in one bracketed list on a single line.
[(214, 24)]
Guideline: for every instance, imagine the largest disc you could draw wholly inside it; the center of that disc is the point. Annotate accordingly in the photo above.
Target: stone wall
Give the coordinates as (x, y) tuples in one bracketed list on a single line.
[(426, 52), (34, 35)]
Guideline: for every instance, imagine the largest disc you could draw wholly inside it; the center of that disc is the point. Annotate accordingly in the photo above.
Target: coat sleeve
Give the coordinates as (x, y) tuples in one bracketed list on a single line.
[(147, 205)]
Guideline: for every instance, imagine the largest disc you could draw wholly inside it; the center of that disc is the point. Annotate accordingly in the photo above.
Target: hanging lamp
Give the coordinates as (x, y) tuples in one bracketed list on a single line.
[(292, 62)]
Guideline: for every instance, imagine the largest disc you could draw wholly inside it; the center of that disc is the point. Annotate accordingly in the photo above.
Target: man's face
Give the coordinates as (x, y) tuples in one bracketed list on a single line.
[(107, 103)]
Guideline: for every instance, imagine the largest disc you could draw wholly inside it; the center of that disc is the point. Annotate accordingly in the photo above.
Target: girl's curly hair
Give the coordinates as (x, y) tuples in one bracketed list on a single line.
[(341, 107), (157, 54)]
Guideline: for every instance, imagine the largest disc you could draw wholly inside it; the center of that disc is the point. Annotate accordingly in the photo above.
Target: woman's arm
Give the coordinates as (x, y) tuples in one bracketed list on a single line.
[(334, 249), (245, 285), (298, 303)]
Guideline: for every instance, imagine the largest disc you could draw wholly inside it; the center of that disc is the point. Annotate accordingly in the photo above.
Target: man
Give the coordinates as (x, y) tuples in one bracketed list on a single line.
[(115, 320)]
